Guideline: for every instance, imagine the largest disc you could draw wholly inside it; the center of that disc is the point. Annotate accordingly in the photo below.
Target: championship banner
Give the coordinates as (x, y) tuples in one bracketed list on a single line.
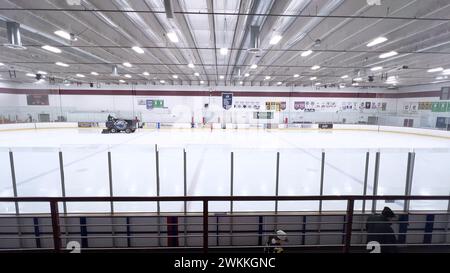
[(282, 105), (299, 105), (227, 100)]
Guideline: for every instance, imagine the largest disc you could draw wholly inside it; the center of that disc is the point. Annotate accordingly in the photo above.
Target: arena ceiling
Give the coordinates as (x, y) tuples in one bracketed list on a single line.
[(215, 35)]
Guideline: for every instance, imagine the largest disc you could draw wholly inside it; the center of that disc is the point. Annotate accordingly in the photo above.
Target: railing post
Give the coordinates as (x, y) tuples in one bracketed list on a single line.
[(205, 226), (55, 225), (349, 225)]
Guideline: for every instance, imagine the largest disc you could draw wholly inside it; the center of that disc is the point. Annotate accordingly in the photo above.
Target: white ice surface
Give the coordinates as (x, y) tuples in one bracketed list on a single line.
[(208, 168)]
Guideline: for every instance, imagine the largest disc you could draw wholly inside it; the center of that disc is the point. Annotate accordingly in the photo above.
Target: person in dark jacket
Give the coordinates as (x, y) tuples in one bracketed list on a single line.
[(379, 229)]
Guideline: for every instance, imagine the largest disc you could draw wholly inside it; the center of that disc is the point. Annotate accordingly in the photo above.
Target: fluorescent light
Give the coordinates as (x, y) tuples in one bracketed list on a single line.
[(221, 77), (191, 65), (202, 82), (127, 64), (357, 79), (377, 41), (138, 49), (315, 67), (197, 74), (246, 74), (296, 75), (275, 39), (42, 72), (376, 68), (31, 75), (446, 72), (441, 78), (313, 78), (65, 35), (80, 75), (438, 69), (279, 83), (162, 81), (146, 73), (253, 66), (175, 76), (122, 81), (344, 77), (223, 51), (173, 37), (51, 49), (94, 73), (267, 78), (388, 54), (127, 76), (318, 83), (355, 84), (306, 53), (62, 64), (2, 64), (241, 82)]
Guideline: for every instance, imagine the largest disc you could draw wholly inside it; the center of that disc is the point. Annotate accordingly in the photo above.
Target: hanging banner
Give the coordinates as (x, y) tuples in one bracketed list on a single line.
[(227, 100)]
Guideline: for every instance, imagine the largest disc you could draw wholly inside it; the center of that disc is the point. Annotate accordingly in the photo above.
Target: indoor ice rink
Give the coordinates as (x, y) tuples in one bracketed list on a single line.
[(213, 124)]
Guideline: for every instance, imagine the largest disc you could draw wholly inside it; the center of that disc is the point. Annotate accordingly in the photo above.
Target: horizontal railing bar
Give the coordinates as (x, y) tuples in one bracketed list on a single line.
[(25, 237), (220, 198), (201, 224)]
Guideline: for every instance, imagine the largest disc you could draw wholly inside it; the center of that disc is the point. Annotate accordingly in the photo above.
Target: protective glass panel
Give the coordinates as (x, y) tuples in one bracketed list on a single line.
[(171, 175)]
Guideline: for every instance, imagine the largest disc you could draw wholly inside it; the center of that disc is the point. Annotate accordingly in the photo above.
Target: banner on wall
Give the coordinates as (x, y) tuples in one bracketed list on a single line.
[(227, 100), (368, 105), (37, 100), (299, 105)]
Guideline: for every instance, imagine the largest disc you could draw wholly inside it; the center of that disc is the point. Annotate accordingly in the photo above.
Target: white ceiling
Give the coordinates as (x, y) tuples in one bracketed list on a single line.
[(106, 35)]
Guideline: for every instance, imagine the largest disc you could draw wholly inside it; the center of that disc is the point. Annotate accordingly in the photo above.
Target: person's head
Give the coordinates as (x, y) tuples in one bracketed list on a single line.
[(281, 235), (388, 213)]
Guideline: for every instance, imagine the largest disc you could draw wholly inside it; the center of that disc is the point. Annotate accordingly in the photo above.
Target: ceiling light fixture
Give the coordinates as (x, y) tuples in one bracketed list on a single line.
[(80, 75), (138, 49), (315, 67), (357, 79), (267, 78), (376, 68), (221, 77), (66, 35), (173, 37), (42, 72), (446, 72), (51, 49), (313, 78), (175, 76), (388, 54), (197, 74), (127, 64), (306, 53), (344, 77), (246, 74), (437, 69), (191, 65), (202, 82), (62, 64), (223, 51), (127, 76), (253, 66), (296, 75), (122, 81), (94, 73), (377, 41), (162, 81), (279, 83), (275, 39), (146, 73), (31, 75)]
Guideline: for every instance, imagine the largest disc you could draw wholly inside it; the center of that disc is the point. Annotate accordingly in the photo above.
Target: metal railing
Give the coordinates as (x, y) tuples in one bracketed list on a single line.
[(349, 213)]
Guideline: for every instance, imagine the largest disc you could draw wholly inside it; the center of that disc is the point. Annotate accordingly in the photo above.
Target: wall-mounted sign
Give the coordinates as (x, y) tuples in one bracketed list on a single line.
[(263, 115), (275, 105), (37, 100), (152, 104), (227, 100)]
